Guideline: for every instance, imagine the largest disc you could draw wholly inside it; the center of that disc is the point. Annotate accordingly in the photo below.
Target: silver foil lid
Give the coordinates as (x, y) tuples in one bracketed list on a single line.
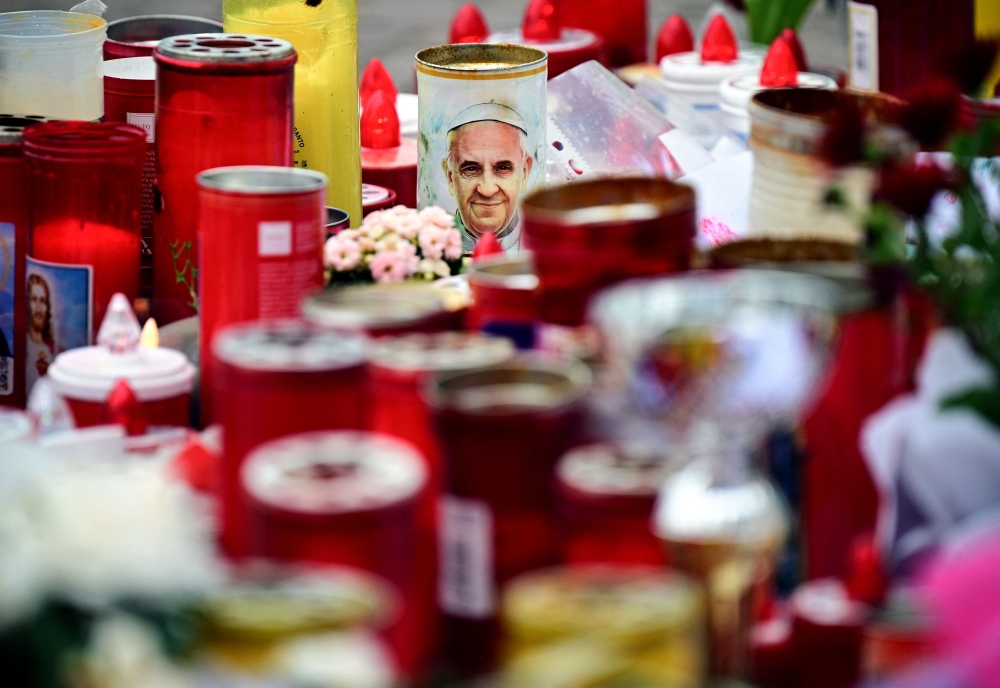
[(441, 351), (289, 345)]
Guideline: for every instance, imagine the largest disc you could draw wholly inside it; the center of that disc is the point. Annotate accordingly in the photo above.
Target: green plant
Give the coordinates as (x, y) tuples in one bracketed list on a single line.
[(768, 18), (177, 249)]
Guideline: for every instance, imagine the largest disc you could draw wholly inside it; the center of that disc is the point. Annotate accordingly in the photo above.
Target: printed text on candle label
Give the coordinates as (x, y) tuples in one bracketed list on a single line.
[(274, 239), (465, 583)]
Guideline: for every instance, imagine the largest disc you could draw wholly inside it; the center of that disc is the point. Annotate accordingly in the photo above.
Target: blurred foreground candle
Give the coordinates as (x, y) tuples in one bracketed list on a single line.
[(621, 25), (587, 235), (160, 379), (344, 498), (605, 498), (274, 379), (635, 625), (14, 210), (50, 64), (83, 246), (138, 36), (261, 232), (386, 159), (827, 628), (380, 310), (502, 429), (326, 84), (505, 298), (221, 100)]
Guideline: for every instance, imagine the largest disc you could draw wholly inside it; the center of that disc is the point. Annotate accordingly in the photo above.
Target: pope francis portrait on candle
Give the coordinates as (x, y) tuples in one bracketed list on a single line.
[(487, 166)]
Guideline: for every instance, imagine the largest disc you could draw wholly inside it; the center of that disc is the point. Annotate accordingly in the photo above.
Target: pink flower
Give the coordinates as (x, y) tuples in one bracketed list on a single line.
[(349, 234), (433, 240), (374, 218), (453, 245), (407, 225), (409, 253), (437, 216), (388, 266), (341, 254)]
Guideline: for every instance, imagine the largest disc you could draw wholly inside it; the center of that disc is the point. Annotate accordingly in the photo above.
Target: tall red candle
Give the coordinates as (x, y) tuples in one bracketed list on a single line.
[(261, 231), (13, 245), (344, 498), (83, 241), (621, 23), (221, 99), (277, 378)]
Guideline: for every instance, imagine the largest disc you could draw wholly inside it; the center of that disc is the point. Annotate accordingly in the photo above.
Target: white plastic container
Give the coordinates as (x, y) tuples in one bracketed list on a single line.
[(735, 93), (50, 64), (693, 90)]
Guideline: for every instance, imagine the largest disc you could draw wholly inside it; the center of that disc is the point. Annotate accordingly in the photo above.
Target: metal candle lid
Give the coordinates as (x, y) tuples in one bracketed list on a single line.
[(12, 126), (151, 29), (224, 47), (505, 272), (288, 346), (332, 473), (261, 179), (616, 469), (440, 351), (465, 60), (374, 306)]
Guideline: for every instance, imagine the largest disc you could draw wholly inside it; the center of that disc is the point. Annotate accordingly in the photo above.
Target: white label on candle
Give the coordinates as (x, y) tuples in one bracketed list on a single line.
[(274, 239), (145, 121), (862, 46), (465, 578)]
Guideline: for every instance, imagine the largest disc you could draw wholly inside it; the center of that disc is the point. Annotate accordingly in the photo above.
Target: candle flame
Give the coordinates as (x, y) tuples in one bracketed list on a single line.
[(150, 337)]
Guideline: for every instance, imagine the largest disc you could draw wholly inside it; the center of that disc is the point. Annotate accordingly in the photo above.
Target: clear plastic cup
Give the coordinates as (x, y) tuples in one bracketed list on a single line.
[(50, 64)]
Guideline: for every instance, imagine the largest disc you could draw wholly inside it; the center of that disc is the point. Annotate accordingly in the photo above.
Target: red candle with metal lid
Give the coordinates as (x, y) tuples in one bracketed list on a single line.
[(501, 429), (276, 378), (344, 498), (160, 378), (138, 36), (14, 210), (587, 235), (606, 494), (221, 99), (83, 241), (374, 197), (261, 232), (382, 309), (622, 24)]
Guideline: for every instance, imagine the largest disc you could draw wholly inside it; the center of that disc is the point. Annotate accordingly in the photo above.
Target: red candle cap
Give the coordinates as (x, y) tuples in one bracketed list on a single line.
[(780, 66), (719, 43), (123, 408), (376, 78), (866, 581), (541, 21), (380, 122), (195, 464), (795, 44), (675, 37), (468, 26), (487, 245)]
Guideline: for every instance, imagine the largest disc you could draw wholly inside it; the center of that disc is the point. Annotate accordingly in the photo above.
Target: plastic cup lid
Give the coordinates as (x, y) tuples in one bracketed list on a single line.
[(89, 373), (569, 40), (688, 69), (613, 469), (289, 346), (736, 91), (131, 68), (441, 351), (333, 472)]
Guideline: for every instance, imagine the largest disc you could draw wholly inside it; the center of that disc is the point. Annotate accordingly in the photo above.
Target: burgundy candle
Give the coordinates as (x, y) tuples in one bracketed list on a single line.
[(620, 23), (505, 297), (502, 430), (386, 159), (345, 498), (83, 243), (261, 232), (827, 632), (566, 48), (273, 379), (138, 36), (221, 99), (380, 310), (374, 197), (14, 210)]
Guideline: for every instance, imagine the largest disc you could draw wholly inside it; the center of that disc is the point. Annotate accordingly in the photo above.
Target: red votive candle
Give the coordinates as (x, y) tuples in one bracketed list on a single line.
[(138, 36), (273, 379), (505, 298), (573, 47), (605, 498), (620, 23), (261, 231), (386, 159), (221, 99), (502, 429), (161, 379), (13, 245), (375, 197), (587, 235), (827, 635), (129, 95), (380, 310), (344, 498), (83, 242)]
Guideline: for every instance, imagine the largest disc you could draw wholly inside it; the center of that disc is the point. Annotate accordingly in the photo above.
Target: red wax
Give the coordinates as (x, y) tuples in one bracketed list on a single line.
[(393, 168), (621, 23), (173, 410), (210, 112)]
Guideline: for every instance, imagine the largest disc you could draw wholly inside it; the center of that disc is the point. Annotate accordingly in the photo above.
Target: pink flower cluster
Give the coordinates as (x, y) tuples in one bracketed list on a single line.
[(397, 244)]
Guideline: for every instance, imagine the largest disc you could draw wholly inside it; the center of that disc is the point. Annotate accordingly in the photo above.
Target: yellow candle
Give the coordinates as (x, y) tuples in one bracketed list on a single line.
[(325, 35)]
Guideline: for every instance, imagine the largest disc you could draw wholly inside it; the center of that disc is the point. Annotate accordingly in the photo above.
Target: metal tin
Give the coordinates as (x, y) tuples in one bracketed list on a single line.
[(336, 220), (138, 36), (380, 309), (482, 109), (273, 379), (345, 498), (129, 96), (573, 47), (590, 234), (261, 235), (221, 100), (505, 298), (14, 209), (502, 429)]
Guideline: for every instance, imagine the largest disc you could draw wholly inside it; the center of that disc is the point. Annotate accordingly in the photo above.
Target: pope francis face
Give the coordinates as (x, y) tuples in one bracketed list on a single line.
[(487, 168)]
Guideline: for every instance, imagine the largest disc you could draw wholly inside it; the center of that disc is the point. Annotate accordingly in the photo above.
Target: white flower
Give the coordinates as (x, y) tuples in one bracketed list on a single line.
[(409, 253), (349, 234), (388, 242), (432, 241), (341, 254), (432, 269), (437, 216), (124, 652), (374, 231)]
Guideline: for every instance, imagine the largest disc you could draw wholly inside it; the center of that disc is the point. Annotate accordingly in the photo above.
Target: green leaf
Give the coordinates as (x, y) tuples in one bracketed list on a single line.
[(984, 401), (767, 18)]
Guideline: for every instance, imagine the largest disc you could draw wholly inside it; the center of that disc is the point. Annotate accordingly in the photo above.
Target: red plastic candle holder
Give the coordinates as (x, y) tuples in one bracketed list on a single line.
[(273, 379), (138, 36), (622, 25), (221, 99), (261, 232), (386, 159)]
